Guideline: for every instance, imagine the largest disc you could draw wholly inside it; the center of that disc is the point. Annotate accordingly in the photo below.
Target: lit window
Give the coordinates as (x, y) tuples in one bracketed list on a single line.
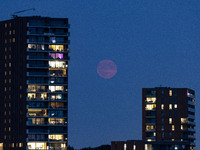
[(150, 107), (6, 25), (13, 40), (184, 120), (181, 139), (170, 106), (154, 134), (181, 127), (149, 127), (36, 145), (20, 144), (173, 128), (134, 147), (9, 64), (175, 106), (10, 32), (162, 106), (13, 31), (124, 146), (151, 99), (56, 137), (13, 145), (172, 139), (170, 92), (170, 120), (9, 129)]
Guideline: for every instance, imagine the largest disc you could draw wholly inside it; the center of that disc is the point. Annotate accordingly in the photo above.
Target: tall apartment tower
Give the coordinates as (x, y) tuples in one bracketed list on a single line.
[(34, 83), (168, 114)]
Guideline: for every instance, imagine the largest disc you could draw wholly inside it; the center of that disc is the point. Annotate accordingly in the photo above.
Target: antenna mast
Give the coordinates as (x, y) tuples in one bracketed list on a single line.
[(14, 14)]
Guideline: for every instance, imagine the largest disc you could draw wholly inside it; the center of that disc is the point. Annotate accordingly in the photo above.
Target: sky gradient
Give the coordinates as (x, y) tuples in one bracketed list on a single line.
[(153, 43)]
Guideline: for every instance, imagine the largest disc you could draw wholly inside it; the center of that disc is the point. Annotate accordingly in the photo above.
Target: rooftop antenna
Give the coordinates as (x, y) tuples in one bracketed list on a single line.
[(14, 14)]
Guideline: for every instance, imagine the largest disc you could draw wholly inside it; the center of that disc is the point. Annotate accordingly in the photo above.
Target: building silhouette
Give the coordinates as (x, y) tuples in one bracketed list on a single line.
[(34, 83), (168, 121)]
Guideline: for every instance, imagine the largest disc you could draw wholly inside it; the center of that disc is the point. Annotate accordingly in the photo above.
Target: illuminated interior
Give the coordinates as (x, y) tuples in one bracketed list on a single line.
[(56, 96), (1, 146), (36, 121), (57, 105), (54, 121), (57, 64), (37, 145), (184, 120), (57, 72), (37, 112), (56, 55), (36, 88), (150, 127), (56, 146), (151, 99), (38, 96), (56, 137), (36, 46), (150, 106), (56, 88), (56, 47)]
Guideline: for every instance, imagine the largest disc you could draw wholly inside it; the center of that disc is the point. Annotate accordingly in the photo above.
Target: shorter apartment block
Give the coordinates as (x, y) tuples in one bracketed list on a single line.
[(168, 114)]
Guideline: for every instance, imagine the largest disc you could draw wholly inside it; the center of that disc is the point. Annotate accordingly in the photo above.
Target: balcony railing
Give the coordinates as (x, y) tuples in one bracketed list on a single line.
[(47, 50)]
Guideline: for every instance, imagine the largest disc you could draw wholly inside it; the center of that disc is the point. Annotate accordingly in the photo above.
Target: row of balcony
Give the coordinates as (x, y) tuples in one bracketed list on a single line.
[(40, 123), (46, 91), (47, 82), (49, 115), (46, 99), (44, 140), (32, 65), (45, 131), (46, 33), (40, 57), (47, 74), (33, 49), (48, 25), (47, 41)]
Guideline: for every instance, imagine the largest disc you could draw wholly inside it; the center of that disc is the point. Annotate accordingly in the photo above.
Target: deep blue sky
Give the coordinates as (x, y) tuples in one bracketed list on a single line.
[(152, 42)]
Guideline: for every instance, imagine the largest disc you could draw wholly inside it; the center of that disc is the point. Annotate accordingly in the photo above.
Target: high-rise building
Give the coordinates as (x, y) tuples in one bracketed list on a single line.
[(34, 83), (168, 114)]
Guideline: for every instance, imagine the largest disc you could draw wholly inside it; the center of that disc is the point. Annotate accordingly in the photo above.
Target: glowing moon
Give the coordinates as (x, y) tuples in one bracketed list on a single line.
[(106, 69)]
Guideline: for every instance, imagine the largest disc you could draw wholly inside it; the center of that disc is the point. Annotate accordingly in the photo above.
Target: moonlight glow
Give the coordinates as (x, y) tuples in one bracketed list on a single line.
[(106, 69)]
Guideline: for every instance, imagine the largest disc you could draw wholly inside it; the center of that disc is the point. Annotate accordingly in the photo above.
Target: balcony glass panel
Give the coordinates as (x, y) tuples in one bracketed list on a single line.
[(37, 145), (57, 64), (37, 88), (37, 137), (37, 96), (58, 81), (56, 55), (36, 121), (57, 72), (37, 112), (57, 146), (58, 129), (57, 121), (56, 137), (36, 47), (56, 96), (56, 88), (57, 113), (37, 105), (151, 99), (56, 47), (57, 105), (150, 107)]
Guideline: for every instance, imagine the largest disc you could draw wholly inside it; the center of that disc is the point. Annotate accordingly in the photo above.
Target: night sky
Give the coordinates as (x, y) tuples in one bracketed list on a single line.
[(152, 42)]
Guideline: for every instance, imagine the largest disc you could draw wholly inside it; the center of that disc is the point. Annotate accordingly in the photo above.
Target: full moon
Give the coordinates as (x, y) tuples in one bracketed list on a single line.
[(106, 69)]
